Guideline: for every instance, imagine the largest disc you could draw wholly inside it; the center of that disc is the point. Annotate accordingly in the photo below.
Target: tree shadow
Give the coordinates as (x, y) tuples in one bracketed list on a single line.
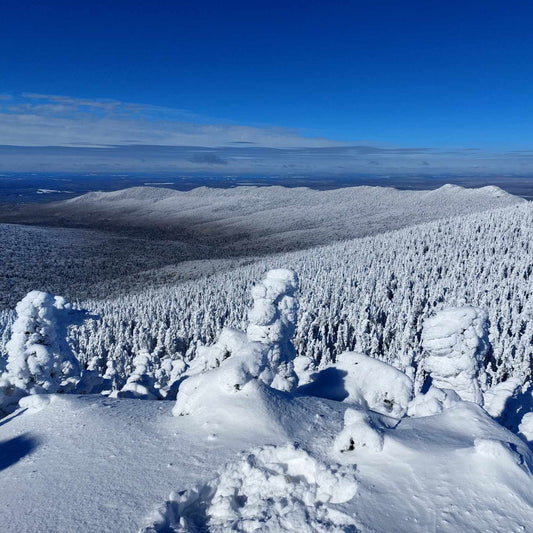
[(11, 416), (13, 450), (515, 408)]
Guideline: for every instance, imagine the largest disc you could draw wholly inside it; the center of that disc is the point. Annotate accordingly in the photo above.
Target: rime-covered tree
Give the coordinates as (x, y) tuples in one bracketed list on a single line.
[(456, 343), (272, 322), (40, 359)]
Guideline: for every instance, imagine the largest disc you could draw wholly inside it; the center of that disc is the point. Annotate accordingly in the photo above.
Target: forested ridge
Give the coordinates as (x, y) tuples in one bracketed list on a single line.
[(370, 295)]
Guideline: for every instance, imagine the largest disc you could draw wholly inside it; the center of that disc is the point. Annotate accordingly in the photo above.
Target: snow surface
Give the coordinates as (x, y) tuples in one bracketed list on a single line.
[(338, 454), (95, 464)]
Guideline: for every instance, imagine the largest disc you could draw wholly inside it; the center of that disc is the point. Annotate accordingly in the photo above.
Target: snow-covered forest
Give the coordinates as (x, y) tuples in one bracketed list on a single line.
[(369, 295)]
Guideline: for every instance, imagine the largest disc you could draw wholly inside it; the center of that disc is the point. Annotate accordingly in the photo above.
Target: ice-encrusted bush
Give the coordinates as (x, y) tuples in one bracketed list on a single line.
[(456, 343), (39, 357)]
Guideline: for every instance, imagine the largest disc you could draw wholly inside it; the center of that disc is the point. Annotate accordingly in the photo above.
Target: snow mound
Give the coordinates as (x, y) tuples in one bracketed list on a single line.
[(232, 398), (502, 452), (456, 342), (363, 381), (359, 432), (36, 402), (433, 402), (269, 489)]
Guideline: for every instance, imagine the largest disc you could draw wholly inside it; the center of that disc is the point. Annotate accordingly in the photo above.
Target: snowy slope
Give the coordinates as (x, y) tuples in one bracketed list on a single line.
[(95, 464), (273, 218)]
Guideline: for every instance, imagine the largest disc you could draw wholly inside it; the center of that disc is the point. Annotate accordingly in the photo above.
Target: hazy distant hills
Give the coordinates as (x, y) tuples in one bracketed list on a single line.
[(265, 219)]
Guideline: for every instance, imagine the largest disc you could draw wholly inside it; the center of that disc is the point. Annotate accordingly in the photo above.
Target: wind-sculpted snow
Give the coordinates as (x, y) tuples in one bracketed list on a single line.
[(269, 489), (357, 379)]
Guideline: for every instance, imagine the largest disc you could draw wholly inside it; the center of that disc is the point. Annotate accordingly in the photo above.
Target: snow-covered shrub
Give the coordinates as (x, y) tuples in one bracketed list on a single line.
[(39, 357), (141, 383), (433, 402), (456, 342), (168, 376), (269, 489), (230, 341), (496, 398), (359, 432), (272, 322), (363, 381)]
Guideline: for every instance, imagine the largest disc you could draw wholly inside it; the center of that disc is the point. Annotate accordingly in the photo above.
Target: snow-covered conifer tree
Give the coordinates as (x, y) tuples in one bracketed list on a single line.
[(272, 322), (456, 342), (141, 383), (39, 357)]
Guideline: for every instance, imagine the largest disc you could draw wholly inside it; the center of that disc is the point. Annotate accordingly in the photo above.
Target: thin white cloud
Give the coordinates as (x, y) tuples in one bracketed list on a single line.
[(52, 120), (102, 135)]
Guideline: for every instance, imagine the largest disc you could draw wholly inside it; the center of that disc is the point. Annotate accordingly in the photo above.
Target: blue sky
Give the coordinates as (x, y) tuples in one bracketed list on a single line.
[(409, 79)]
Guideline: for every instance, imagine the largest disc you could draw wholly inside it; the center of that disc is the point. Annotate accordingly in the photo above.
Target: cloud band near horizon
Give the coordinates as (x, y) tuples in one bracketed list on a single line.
[(60, 133)]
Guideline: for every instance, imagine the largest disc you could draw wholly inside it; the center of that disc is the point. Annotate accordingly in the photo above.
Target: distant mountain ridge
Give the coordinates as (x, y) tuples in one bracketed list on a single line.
[(266, 219), (146, 193)]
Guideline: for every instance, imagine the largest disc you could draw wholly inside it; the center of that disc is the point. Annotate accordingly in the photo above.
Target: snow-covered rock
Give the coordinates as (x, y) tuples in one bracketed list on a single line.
[(456, 343), (363, 381)]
